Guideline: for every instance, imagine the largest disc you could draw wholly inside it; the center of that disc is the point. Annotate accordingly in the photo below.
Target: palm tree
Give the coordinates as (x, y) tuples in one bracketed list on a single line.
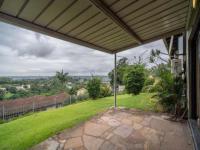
[(62, 77)]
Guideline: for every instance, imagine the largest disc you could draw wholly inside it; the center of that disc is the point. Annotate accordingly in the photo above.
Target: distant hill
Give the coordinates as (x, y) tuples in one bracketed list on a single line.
[(103, 78)]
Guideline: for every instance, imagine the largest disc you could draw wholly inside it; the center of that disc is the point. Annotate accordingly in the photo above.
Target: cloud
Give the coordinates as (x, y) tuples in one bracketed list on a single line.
[(23, 52)]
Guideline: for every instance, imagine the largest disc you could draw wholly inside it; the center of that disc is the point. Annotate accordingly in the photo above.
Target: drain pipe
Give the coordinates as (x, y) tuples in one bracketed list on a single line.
[(115, 80)]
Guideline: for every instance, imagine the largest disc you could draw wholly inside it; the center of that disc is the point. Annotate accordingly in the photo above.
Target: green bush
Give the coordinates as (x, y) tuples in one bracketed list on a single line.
[(93, 87), (105, 90), (149, 81), (152, 88), (134, 79)]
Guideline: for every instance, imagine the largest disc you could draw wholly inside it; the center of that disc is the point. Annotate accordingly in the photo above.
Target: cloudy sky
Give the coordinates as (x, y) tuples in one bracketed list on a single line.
[(23, 52)]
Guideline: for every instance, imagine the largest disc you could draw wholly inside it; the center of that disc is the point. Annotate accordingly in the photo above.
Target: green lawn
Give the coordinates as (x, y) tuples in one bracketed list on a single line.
[(8, 95), (25, 132)]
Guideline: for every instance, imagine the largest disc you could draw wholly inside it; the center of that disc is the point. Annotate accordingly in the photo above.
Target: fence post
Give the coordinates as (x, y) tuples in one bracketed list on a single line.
[(22, 109), (56, 102), (33, 106), (70, 99), (3, 110)]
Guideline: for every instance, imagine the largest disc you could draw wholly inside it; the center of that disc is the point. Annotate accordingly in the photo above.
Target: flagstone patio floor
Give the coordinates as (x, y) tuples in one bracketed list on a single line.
[(123, 129)]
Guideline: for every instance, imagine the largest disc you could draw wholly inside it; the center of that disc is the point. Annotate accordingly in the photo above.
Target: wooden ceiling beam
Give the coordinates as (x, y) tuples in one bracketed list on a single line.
[(109, 13)]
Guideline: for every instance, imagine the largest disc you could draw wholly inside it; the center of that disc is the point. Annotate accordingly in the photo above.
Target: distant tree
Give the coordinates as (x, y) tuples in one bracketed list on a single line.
[(5, 80), (121, 67), (62, 77), (11, 89), (2, 94), (93, 87), (20, 94), (156, 55), (35, 88), (134, 79)]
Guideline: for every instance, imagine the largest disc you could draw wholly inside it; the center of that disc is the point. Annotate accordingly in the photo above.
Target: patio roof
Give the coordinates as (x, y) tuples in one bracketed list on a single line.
[(107, 25)]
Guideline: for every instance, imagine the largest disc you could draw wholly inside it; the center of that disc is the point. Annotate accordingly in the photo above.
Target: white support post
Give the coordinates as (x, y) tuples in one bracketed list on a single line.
[(115, 80)]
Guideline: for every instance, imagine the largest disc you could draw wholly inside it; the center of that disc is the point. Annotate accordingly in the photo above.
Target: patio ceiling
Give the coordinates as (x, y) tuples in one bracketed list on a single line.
[(107, 25)]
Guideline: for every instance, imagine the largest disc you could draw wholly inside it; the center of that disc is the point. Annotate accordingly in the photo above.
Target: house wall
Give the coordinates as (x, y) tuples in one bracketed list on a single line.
[(193, 64)]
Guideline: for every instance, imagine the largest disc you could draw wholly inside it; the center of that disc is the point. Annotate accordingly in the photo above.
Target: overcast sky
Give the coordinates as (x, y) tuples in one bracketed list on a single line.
[(23, 52)]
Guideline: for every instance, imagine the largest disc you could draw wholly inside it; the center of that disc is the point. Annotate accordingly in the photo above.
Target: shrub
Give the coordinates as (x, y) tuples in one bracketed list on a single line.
[(170, 91), (93, 87), (134, 79), (105, 90), (149, 81), (152, 88)]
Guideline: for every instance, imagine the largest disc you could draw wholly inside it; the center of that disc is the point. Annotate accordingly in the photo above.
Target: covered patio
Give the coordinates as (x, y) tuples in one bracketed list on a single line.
[(110, 26)]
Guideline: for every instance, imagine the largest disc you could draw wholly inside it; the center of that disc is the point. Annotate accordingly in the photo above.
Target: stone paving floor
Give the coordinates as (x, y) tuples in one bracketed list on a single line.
[(123, 130)]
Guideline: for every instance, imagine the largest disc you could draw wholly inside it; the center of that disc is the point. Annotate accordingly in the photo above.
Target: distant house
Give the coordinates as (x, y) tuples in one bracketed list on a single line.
[(28, 86), (23, 87), (121, 88), (82, 92), (3, 89), (20, 87)]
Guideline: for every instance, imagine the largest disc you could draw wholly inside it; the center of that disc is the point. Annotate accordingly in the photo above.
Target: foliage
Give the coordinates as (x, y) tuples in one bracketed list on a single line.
[(11, 89), (2, 94), (20, 94), (150, 85), (63, 77), (93, 87), (170, 90), (121, 67), (149, 81), (105, 90), (72, 91), (134, 79), (39, 126), (156, 55), (5, 80)]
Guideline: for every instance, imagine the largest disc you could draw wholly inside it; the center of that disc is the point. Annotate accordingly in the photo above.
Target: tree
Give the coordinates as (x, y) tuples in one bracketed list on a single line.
[(2, 94), (134, 79), (93, 87), (155, 56), (11, 89), (62, 77), (121, 67)]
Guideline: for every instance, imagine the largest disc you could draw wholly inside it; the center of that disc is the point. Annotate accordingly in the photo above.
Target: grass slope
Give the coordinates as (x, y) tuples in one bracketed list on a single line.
[(25, 132)]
